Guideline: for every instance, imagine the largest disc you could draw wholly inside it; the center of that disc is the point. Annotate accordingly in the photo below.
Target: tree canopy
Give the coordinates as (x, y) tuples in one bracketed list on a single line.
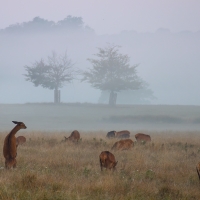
[(52, 75), (39, 24), (111, 71)]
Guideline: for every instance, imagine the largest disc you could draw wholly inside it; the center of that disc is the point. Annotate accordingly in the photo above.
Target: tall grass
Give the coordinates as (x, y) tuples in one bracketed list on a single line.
[(48, 168)]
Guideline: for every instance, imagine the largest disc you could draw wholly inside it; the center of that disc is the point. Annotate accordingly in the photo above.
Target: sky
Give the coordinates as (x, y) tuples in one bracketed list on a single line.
[(108, 16)]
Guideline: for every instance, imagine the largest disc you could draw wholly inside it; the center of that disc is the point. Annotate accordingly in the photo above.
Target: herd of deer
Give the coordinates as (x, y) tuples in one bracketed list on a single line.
[(106, 158)]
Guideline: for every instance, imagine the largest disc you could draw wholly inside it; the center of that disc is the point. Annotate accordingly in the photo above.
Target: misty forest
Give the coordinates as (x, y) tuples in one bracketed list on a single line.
[(166, 63), (60, 79)]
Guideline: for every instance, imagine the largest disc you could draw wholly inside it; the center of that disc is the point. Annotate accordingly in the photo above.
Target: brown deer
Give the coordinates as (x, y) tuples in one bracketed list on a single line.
[(10, 147), (107, 160), (142, 137), (122, 134), (123, 144), (74, 137), (20, 140)]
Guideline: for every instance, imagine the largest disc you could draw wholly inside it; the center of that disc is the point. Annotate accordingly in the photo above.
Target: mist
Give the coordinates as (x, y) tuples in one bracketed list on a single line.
[(168, 62)]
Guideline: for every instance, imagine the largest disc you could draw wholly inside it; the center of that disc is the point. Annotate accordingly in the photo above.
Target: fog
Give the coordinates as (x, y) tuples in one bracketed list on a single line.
[(90, 117), (108, 16), (168, 58)]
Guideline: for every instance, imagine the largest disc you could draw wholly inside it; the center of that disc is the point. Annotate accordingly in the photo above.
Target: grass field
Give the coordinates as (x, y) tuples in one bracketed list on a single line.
[(48, 168)]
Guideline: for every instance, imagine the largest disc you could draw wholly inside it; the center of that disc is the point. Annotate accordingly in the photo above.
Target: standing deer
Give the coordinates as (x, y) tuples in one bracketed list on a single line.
[(10, 147)]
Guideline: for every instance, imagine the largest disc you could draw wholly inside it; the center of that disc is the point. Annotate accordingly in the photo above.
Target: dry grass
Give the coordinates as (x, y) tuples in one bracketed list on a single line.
[(50, 169)]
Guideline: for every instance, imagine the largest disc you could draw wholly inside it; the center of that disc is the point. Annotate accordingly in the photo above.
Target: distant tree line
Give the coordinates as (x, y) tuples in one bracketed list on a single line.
[(68, 24)]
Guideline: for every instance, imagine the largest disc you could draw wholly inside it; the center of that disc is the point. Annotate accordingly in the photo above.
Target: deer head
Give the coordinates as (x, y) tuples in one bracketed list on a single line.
[(21, 124)]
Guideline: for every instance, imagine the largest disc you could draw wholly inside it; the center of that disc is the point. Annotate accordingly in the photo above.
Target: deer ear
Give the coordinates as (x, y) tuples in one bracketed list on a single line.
[(15, 122)]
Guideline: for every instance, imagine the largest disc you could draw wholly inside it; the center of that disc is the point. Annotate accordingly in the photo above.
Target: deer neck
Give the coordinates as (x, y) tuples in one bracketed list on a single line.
[(14, 130)]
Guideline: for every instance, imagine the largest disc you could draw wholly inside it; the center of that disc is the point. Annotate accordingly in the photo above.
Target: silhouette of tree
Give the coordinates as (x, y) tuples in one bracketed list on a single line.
[(38, 24), (112, 72), (51, 75), (72, 23)]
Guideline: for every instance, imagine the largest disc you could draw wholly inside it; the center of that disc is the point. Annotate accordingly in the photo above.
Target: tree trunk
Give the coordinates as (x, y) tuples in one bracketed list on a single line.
[(56, 95), (112, 98)]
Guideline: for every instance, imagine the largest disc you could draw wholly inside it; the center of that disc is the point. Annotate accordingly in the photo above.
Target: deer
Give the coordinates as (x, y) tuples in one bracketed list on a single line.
[(107, 160), (74, 137), (142, 137), (123, 145), (10, 147), (20, 140), (111, 134), (122, 134)]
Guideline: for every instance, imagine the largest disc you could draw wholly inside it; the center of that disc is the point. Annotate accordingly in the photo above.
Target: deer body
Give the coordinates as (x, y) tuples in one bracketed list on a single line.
[(74, 137), (20, 140), (142, 137), (107, 160), (123, 144), (122, 134), (10, 148)]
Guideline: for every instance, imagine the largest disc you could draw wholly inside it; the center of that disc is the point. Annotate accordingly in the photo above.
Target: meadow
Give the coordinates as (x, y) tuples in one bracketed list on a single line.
[(49, 168)]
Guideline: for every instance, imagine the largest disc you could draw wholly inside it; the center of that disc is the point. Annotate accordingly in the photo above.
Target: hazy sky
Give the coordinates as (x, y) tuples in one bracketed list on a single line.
[(108, 16)]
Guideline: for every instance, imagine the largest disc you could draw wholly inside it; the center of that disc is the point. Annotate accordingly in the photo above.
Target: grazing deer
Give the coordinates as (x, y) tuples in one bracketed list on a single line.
[(123, 144), (74, 137), (20, 140), (122, 134), (111, 134), (142, 137), (10, 147), (107, 160)]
